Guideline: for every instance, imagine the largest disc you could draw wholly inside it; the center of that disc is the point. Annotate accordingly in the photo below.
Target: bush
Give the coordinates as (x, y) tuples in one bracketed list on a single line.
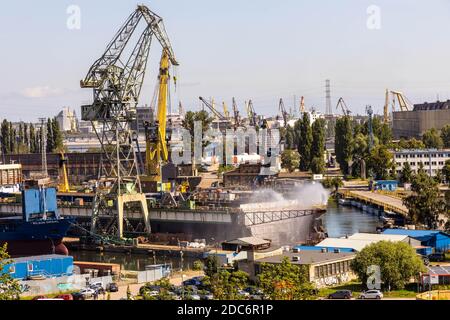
[(198, 265)]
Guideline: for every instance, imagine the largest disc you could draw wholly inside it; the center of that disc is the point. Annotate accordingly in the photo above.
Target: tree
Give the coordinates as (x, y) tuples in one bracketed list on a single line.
[(304, 142), (446, 171), (318, 165), (398, 263), (335, 183), (318, 141), (211, 266), (411, 144), (285, 281), (407, 174), (5, 137), (290, 138), (381, 162), (9, 287), (290, 160), (58, 144), (425, 204), (343, 143), (33, 142), (445, 136), (225, 285), (432, 139)]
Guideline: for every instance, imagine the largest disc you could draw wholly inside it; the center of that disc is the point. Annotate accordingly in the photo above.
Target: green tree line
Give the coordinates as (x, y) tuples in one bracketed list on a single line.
[(27, 138)]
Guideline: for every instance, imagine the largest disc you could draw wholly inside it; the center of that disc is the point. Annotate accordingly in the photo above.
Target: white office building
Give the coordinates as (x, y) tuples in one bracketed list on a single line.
[(432, 159)]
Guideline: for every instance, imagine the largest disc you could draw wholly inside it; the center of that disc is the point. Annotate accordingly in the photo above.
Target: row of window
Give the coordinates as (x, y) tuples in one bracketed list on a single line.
[(427, 163), (332, 269), (421, 155)]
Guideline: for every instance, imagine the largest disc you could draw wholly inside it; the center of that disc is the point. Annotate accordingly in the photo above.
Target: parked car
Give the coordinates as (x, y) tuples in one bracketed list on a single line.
[(192, 282), (78, 296), (149, 288), (372, 294), (39, 298), (66, 297), (112, 287), (436, 257), (341, 294), (87, 292), (206, 295)]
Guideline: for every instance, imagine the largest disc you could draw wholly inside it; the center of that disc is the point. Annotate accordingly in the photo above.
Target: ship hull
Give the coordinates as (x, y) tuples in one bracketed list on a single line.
[(24, 248), (34, 238)]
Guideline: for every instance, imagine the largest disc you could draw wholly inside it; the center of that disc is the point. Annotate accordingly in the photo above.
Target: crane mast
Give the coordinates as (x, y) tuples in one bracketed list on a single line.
[(284, 113), (156, 131), (117, 83)]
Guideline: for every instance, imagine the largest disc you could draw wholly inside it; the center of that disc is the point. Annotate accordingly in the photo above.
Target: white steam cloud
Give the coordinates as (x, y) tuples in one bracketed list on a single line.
[(300, 197)]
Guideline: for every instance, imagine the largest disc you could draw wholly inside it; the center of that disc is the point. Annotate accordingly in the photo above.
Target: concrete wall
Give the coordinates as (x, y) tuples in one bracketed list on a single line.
[(410, 124)]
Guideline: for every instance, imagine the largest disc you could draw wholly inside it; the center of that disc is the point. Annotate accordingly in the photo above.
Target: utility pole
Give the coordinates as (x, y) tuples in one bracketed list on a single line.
[(44, 147), (329, 110)]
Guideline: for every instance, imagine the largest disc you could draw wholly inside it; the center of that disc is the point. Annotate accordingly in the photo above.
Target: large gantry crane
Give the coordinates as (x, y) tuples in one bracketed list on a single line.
[(116, 80), (403, 102), (345, 110)]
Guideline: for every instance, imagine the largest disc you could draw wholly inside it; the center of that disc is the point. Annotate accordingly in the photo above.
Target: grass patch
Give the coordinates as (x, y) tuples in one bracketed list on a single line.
[(357, 288)]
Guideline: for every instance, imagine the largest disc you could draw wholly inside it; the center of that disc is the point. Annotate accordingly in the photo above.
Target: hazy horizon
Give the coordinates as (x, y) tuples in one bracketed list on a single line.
[(258, 49)]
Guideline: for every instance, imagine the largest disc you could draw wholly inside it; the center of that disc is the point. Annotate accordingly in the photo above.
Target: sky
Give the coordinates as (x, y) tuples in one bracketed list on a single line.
[(262, 50)]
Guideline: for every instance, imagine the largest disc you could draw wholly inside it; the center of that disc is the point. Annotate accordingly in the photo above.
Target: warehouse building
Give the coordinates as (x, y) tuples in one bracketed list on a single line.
[(438, 240), (359, 241), (324, 268), (413, 124), (39, 267)]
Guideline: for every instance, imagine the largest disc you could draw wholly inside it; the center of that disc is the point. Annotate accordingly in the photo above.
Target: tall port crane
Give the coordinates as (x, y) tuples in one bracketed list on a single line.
[(237, 118), (252, 116), (213, 110), (302, 105), (403, 102), (345, 110), (284, 113), (116, 79), (156, 134), (225, 110)]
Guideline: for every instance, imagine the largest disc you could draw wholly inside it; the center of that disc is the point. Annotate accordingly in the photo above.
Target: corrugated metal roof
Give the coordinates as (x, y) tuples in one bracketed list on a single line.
[(378, 237), (249, 240), (38, 258), (413, 233), (439, 270), (309, 257), (357, 245)]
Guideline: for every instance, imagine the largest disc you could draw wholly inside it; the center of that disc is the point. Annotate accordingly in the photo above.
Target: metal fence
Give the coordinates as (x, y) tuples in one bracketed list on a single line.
[(154, 273)]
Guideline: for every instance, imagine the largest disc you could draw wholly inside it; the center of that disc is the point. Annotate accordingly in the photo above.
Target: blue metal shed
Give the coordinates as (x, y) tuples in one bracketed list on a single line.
[(49, 266), (436, 239), (386, 185)]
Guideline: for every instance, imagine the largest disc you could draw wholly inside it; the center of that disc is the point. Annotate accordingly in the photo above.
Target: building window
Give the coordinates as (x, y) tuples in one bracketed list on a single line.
[(433, 163), (441, 163), (427, 163), (413, 163)]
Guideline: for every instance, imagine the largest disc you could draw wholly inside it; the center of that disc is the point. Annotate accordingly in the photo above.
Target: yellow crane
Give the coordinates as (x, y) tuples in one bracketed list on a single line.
[(225, 110), (156, 137), (63, 177), (403, 102)]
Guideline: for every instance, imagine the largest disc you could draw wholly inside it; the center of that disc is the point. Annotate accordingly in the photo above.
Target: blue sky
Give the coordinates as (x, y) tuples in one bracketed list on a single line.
[(252, 49)]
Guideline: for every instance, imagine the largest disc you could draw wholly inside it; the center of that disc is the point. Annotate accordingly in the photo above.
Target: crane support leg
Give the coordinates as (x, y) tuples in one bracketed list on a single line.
[(132, 198)]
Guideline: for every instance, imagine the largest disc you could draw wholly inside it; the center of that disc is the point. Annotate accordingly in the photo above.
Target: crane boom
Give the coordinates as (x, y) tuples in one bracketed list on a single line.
[(345, 110), (284, 113), (211, 107), (403, 102)]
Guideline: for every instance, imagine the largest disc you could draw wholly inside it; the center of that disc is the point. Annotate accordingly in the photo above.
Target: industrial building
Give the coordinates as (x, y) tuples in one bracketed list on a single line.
[(413, 124), (324, 268), (359, 241), (438, 240), (432, 159), (48, 266)]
